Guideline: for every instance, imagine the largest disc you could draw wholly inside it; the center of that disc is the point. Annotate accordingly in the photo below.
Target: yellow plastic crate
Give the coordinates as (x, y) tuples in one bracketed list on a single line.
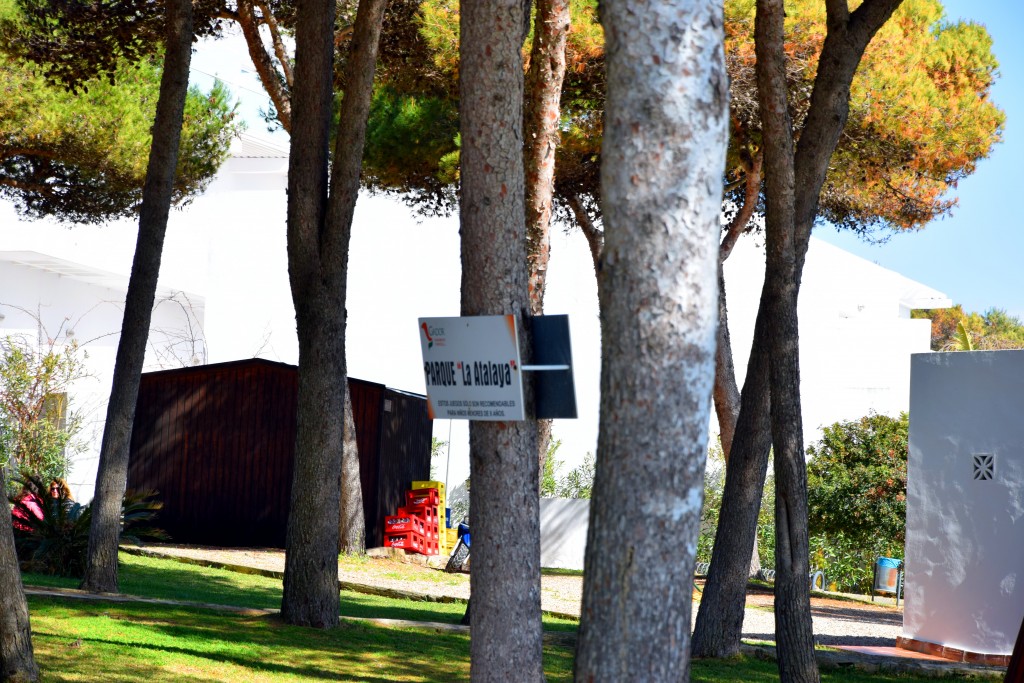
[(439, 485)]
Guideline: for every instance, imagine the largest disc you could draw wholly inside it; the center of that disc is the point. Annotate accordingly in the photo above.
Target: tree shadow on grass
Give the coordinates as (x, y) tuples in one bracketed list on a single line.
[(158, 643)]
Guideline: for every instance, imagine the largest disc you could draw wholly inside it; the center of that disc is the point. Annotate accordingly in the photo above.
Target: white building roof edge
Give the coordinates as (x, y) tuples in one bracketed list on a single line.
[(84, 273)]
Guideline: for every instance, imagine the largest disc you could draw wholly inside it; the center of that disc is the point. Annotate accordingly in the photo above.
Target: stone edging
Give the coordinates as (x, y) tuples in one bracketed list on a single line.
[(843, 659)]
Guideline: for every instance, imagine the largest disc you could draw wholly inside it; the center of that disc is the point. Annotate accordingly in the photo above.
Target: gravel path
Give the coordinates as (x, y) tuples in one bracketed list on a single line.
[(836, 622)]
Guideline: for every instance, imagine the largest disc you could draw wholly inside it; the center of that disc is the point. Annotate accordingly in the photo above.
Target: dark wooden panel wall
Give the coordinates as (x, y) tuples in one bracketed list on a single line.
[(217, 442), (404, 454)]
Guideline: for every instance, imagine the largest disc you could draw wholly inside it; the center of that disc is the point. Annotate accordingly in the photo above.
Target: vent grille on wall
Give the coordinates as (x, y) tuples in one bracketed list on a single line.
[(984, 466)]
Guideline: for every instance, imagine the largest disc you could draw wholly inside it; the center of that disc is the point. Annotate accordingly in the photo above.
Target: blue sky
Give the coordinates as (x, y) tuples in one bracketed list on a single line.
[(975, 255)]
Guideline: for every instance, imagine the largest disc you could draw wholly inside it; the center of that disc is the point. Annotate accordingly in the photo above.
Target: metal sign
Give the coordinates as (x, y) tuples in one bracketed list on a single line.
[(472, 369), (554, 391)]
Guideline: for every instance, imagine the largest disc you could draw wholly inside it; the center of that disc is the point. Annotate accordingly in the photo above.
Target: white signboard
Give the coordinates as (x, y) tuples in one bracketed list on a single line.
[(471, 368)]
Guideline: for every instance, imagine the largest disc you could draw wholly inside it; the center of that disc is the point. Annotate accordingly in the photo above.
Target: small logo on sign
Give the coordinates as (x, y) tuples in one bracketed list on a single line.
[(426, 333)]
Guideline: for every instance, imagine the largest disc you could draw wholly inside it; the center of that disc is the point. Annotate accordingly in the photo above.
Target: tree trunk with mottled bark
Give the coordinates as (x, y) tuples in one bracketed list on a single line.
[(112, 474), (794, 181), (506, 643), (793, 629), (667, 90), (352, 524), (541, 115), (319, 232), (17, 661)]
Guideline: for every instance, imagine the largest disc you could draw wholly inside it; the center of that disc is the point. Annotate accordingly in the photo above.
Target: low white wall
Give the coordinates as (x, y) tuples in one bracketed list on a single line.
[(965, 518), (563, 532)]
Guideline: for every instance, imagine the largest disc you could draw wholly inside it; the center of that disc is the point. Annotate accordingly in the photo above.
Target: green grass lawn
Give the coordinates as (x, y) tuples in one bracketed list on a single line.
[(101, 641), (79, 640), (167, 579)]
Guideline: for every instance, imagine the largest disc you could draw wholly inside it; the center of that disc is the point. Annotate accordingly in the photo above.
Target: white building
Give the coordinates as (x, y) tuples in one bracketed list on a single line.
[(965, 506), (224, 285), (856, 333), (49, 302)]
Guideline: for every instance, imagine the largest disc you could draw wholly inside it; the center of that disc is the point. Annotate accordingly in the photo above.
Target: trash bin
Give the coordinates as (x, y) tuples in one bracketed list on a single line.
[(887, 575)]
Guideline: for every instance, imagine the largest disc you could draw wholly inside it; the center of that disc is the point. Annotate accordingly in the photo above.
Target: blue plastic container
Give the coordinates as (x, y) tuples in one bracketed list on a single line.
[(887, 575)]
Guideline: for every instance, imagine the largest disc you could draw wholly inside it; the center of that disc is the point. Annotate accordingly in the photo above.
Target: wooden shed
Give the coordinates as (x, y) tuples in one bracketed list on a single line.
[(218, 441)]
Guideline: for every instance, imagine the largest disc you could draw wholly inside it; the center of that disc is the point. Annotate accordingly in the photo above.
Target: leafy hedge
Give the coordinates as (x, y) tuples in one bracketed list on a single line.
[(857, 497)]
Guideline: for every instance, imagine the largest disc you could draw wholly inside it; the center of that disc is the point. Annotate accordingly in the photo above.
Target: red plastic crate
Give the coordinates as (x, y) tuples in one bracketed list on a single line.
[(420, 497), (428, 513), (409, 541), (404, 521)]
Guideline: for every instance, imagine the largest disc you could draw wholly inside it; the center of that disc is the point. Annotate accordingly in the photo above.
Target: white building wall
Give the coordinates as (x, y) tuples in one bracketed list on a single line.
[(965, 531), (44, 299), (855, 341), (563, 532)]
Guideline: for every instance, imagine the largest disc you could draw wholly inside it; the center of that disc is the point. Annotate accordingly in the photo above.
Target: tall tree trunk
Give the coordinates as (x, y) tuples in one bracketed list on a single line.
[(720, 616), (352, 525), (794, 181), (793, 630), (541, 116), (727, 392), (319, 231), (505, 581), (310, 595), (17, 662), (112, 475), (667, 90), (794, 184)]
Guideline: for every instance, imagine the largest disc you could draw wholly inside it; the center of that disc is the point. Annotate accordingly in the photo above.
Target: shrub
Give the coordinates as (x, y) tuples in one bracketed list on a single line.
[(38, 427), (714, 487), (56, 539), (857, 497), (579, 483)]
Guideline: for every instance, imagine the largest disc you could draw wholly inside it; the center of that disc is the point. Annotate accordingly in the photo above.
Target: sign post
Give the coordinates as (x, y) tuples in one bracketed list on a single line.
[(472, 368)]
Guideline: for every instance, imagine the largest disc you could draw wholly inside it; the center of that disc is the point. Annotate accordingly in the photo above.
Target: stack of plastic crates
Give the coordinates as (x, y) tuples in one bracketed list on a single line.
[(443, 546), (416, 526)]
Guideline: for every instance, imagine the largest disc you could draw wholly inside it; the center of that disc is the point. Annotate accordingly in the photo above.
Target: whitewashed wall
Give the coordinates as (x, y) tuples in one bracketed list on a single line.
[(563, 532), (43, 299), (965, 532), (856, 334)]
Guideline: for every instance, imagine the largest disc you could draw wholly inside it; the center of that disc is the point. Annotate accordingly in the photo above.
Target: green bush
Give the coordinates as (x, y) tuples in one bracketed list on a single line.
[(37, 425), (857, 497), (578, 483), (714, 487)]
